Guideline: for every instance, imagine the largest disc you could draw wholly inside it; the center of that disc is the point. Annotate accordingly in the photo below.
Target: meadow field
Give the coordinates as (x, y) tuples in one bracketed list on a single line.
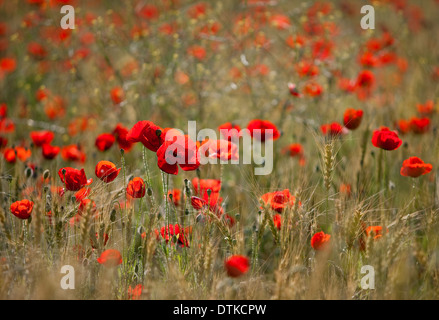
[(321, 139)]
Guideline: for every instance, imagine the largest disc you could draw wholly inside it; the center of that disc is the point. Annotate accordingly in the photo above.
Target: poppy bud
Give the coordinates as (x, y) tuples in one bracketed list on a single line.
[(46, 174), (149, 191)]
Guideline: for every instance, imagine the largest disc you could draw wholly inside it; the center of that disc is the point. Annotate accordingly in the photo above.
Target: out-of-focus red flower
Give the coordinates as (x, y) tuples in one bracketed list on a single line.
[(40, 138), (277, 220), (346, 189), (106, 171), (220, 149), (74, 179), (365, 79), (386, 139), (375, 231), (3, 111), (110, 258), (175, 194), (3, 142), (7, 65), (333, 129), (352, 118), (419, 125), (136, 188), (117, 95), (263, 130), (307, 69), (415, 167), (148, 11), (36, 50), (50, 152), (73, 153), (347, 85), (197, 52), (197, 10), (293, 90), (22, 209), (6, 125), (293, 150), (426, 109), (105, 141), (120, 132), (237, 266), (55, 107), (135, 293), (403, 126), (280, 21), (229, 131), (11, 154), (313, 89), (320, 241), (279, 200), (182, 152)]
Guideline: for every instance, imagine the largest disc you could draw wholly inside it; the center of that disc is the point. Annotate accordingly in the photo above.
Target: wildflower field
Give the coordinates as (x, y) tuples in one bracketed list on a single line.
[(211, 150)]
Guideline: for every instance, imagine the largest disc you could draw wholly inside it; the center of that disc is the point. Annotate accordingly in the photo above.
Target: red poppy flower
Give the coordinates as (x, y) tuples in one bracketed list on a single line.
[(110, 258), (149, 134), (263, 130), (386, 139), (3, 111), (135, 293), (293, 150), (105, 141), (136, 188), (176, 196), (3, 142), (293, 90), (117, 95), (419, 126), (73, 153), (22, 209), (403, 126), (82, 194), (86, 205), (176, 230), (182, 152), (7, 126), (237, 266), (220, 149), (277, 220), (229, 131), (40, 138), (11, 154), (313, 89), (197, 52), (106, 171), (427, 108), (279, 200), (37, 50), (202, 187), (50, 152), (352, 118), (415, 167), (375, 231), (8, 65), (198, 203), (320, 240), (365, 79), (334, 129), (74, 179), (280, 21), (120, 132)]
